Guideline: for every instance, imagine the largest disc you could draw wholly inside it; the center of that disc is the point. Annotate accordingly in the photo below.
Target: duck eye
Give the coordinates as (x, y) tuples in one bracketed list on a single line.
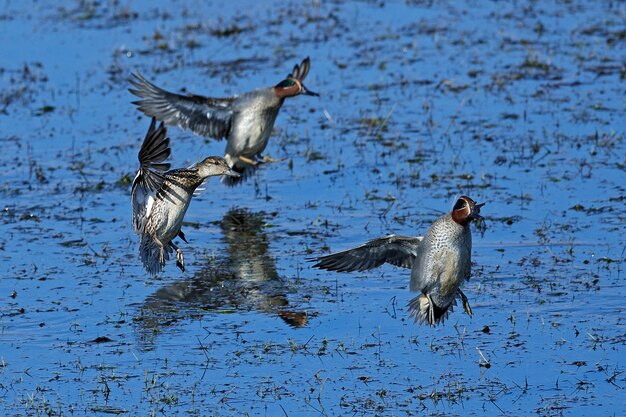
[(460, 204)]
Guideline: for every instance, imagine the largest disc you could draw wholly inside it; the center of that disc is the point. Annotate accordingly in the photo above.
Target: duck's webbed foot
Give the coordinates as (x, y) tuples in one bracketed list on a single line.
[(466, 305), (180, 259), (431, 310), (269, 159), (248, 161), (161, 250)]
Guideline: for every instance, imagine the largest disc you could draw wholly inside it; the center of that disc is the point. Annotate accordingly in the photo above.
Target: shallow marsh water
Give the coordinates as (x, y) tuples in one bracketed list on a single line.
[(518, 105)]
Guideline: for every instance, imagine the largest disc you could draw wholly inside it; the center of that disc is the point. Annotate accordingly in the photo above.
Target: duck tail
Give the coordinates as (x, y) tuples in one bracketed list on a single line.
[(150, 255), (425, 312)]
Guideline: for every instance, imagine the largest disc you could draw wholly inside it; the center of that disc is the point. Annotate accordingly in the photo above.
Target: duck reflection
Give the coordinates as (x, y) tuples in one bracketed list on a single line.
[(244, 279)]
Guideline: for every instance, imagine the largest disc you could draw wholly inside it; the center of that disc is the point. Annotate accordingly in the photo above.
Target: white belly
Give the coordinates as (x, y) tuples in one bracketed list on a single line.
[(167, 218), (251, 135)]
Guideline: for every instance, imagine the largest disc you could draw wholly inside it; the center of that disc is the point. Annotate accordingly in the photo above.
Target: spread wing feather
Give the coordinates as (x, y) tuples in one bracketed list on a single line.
[(392, 249), (149, 179), (202, 115)]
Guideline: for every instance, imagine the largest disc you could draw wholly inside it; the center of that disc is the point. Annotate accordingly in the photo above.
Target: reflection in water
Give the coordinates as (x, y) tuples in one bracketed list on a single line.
[(245, 278)]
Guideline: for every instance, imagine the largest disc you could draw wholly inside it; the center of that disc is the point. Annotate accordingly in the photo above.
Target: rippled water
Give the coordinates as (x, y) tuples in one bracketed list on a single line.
[(518, 105)]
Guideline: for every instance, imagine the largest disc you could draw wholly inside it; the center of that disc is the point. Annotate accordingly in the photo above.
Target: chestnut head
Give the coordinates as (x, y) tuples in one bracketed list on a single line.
[(293, 85), (465, 210)]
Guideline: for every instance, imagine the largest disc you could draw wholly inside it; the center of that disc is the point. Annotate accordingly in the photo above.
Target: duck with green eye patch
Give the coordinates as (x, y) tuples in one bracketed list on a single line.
[(246, 121), (440, 262)]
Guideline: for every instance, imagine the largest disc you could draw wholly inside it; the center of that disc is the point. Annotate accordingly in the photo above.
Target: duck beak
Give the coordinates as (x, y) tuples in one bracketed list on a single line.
[(305, 91), (476, 212), (232, 173)]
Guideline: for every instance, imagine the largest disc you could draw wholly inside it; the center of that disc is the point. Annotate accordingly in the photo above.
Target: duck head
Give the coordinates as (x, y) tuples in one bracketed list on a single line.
[(292, 85), (465, 210), (214, 165)]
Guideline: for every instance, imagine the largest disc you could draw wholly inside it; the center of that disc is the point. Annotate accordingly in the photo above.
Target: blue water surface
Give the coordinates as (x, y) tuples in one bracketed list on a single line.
[(519, 105)]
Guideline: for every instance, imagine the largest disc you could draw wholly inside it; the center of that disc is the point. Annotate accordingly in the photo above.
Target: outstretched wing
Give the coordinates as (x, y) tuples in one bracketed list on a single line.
[(202, 115), (154, 151), (300, 71), (396, 250)]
